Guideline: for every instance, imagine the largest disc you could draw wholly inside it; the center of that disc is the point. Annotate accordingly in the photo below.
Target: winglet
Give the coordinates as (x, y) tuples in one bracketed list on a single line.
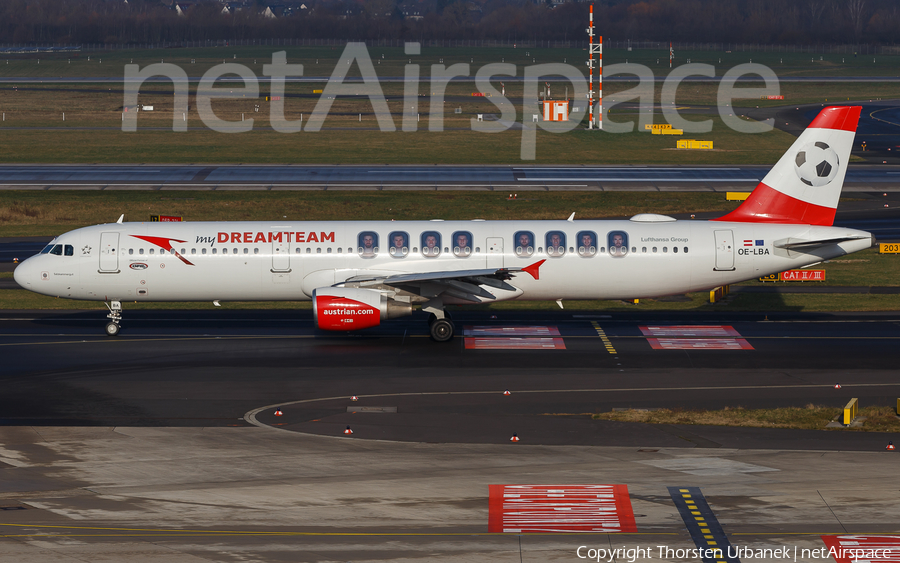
[(122, 216), (533, 269), (571, 218)]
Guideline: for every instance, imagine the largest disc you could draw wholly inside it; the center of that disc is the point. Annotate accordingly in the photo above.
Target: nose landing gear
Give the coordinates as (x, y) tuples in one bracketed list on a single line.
[(115, 315)]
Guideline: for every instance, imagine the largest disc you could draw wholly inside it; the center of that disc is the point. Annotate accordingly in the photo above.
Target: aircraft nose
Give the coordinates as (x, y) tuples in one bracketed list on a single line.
[(24, 274)]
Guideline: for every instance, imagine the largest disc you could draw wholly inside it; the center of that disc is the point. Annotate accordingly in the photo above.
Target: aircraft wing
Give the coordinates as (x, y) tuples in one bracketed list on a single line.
[(462, 284)]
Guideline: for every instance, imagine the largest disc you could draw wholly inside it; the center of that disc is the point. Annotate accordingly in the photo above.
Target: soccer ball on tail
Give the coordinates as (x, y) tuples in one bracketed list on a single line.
[(816, 164)]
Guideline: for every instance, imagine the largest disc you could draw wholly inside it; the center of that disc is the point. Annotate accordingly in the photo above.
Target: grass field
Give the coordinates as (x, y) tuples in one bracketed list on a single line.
[(71, 144), (34, 130), (390, 61), (764, 304), (810, 417), (866, 268), (48, 213)]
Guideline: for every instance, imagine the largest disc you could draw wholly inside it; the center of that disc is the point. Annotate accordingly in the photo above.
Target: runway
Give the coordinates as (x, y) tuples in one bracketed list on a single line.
[(210, 368), (163, 444)]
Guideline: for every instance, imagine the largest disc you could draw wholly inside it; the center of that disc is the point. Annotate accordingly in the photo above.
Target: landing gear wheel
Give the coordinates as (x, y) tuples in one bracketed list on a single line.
[(441, 330), (112, 329)]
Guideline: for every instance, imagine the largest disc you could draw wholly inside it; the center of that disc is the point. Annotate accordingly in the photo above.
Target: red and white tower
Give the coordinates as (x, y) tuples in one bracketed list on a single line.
[(595, 58)]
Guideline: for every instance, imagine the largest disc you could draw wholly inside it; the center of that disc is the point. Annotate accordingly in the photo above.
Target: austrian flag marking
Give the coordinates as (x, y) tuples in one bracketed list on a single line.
[(560, 508)]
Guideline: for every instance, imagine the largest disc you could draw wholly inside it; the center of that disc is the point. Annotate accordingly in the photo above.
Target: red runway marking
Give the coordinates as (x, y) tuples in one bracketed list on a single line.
[(511, 331), (500, 343), (699, 344), (689, 330), (560, 508), (857, 549)]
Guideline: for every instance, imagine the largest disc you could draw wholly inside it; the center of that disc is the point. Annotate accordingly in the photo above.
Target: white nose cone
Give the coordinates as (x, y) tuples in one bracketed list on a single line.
[(21, 273)]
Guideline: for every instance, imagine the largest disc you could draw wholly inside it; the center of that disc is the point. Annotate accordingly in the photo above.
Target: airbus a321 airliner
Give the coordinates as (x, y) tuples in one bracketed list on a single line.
[(360, 273)]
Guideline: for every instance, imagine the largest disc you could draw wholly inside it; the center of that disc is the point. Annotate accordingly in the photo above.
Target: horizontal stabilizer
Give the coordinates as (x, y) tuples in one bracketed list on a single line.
[(793, 244)]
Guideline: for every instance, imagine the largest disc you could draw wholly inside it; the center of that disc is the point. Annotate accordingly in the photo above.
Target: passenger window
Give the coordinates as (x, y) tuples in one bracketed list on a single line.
[(203, 251), (556, 244), (524, 243), (183, 251), (150, 251), (318, 251), (367, 244), (234, 250), (255, 251), (130, 251), (309, 250), (654, 250), (246, 251), (140, 250), (193, 251), (665, 249), (70, 250), (675, 249), (618, 243), (462, 244), (340, 250), (644, 249), (215, 250), (431, 244), (587, 243), (328, 250), (398, 244), (477, 250), (633, 249), (57, 250), (685, 250)]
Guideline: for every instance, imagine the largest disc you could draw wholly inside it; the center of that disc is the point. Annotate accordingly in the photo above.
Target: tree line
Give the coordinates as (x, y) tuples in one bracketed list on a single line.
[(708, 21)]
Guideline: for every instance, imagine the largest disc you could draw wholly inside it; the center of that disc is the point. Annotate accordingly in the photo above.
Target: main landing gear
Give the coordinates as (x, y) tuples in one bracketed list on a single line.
[(441, 330), (115, 315), (439, 323)]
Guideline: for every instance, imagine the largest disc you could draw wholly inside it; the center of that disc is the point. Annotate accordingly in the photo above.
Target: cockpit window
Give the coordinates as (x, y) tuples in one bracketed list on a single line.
[(47, 249), (70, 250), (57, 249)]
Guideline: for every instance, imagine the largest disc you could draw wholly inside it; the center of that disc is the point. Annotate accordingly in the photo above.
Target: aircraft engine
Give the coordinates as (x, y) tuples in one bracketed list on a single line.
[(351, 308)]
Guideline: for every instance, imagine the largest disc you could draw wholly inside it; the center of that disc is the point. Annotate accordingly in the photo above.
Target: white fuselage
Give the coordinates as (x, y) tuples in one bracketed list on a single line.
[(246, 261)]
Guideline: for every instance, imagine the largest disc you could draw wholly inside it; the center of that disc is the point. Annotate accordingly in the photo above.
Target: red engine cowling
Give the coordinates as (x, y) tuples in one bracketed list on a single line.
[(350, 308)]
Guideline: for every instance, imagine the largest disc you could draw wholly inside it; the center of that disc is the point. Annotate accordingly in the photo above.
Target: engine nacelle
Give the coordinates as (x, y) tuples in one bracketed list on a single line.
[(351, 308)]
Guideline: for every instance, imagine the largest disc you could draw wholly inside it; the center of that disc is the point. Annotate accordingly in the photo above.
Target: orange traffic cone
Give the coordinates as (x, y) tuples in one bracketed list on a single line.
[(354, 398), (515, 437), (348, 431), (890, 447), (837, 385), (278, 412), (507, 392)]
